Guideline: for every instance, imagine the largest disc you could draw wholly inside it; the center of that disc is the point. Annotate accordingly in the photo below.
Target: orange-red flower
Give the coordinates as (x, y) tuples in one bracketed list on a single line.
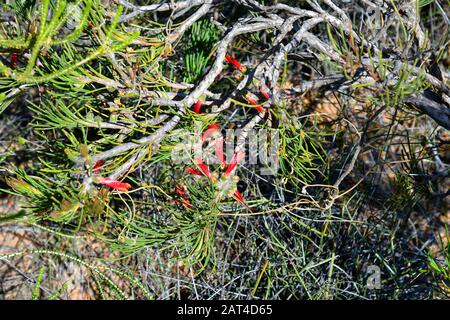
[(212, 128), (219, 151), (114, 184), (179, 190), (255, 105), (239, 198), (14, 60), (235, 63), (263, 91), (238, 156), (97, 166), (194, 171), (198, 105), (203, 167)]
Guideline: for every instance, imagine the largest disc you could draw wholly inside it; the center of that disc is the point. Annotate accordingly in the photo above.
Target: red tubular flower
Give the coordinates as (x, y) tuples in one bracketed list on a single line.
[(263, 91), (185, 199), (187, 204), (255, 105), (239, 198), (219, 151), (97, 166), (212, 128), (14, 60), (194, 171), (203, 167), (235, 63), (114, 184), (179, 190), (198, 105), (234, 161)]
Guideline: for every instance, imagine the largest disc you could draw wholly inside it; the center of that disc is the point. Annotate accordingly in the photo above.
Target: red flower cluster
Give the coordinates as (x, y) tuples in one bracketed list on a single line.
[(214, 129), (203, 169)]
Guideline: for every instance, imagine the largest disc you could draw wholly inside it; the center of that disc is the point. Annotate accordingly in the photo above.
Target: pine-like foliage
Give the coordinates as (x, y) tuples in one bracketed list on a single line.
[(110, 91)]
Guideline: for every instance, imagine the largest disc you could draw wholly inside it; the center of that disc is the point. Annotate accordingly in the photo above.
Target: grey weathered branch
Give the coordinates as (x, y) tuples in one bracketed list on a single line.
[(428, 105), (159, 7), (221, 51), (153, 139)]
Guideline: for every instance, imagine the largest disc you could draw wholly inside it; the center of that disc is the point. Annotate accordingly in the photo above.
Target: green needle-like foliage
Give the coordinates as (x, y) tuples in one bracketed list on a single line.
[(96, 101)]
